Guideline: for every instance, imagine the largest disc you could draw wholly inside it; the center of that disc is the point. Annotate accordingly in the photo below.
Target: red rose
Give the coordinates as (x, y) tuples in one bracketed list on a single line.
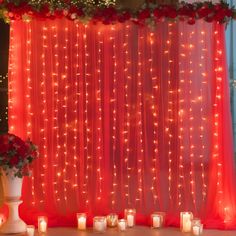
[(157, 13), (78, 11), (191, 21), (170, 12), (144, 14), (14, 161), (124, 17), (187, 11), (22, 151), (220, 15), (58, 13), (204, 11), (209, 19), (4, 145)]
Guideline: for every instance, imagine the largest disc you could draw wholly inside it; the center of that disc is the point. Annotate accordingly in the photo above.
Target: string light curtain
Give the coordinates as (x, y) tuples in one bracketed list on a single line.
[(125, 117)]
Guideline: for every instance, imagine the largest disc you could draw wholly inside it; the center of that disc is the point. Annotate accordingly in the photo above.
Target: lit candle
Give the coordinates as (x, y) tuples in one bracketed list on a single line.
[(81, 219), (197, 229), (2, 219), (130, 220), (42, 224), (30, 230), (130, 217), (185, 221), (99, 224), (157, 219), (122, 225), (112, 220)]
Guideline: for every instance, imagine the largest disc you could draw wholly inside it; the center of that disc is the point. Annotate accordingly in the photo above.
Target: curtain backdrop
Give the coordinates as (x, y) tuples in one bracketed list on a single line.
[(124, 117)]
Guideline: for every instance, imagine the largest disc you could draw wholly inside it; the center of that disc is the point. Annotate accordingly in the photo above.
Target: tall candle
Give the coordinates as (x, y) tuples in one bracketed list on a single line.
[(185, 223), (130, 220), (42, 224), (130, 217), (81, 218), (2, 219), (156, 221)]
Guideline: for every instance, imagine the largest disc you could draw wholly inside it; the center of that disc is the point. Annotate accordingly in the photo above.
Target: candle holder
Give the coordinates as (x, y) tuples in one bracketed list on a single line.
[(99, 224), (130, 216), (186, 221), (112, 220), (122, 225), (42, 224), (197, 227), (30, 230), (157, 220), (81, 220)]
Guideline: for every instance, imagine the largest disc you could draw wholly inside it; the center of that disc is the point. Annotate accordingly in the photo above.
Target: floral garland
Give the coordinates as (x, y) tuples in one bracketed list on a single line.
[(150, 13)]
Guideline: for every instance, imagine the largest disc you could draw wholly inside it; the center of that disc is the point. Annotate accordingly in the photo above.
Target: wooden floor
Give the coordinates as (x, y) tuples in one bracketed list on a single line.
[(136, 231)]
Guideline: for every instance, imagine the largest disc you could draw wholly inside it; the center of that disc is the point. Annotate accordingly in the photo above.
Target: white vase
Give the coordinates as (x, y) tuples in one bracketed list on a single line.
[(12, 192)]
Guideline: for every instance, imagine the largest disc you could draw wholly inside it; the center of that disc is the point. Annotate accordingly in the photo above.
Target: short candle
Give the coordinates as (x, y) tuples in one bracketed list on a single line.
[(157, 219), (81, 219), (30, 230), (130, 217), (197, 229), (122, 224), (99, 224), (42, 224)]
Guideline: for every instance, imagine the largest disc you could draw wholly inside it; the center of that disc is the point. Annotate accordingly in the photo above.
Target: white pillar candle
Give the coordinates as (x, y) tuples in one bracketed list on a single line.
[(130, 220), (99, 224), (81, 219), (30, 230), (2, 219), (130, 217), (196, 230), (42, 224), (122, 225), (185, 223), (156, 221), (187, 226)]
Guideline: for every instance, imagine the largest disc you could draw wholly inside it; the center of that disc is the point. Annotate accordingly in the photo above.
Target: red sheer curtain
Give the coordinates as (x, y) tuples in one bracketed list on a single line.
[(124, 116)]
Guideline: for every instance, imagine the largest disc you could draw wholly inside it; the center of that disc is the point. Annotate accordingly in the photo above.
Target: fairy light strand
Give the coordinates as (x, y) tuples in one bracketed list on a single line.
[(113, 102), (168, 127), (191, 121), (28, 96), (44, 111), (154, 109), (127, 114), (87, 130), (55, 76), (140, 139), (99, 121), (204, 87), (181, 115)]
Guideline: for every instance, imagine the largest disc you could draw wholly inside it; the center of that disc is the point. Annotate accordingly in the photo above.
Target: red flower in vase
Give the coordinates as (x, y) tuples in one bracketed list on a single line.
[(16, 154)]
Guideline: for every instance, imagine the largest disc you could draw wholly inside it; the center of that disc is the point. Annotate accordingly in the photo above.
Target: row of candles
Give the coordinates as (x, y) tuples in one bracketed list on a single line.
[(100, 223)]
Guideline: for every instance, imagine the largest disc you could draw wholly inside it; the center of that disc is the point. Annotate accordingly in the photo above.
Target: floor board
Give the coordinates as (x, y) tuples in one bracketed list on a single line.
[(136, 231)]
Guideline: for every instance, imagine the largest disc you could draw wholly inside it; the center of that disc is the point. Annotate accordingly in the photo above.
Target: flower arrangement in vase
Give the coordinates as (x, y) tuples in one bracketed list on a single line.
[(16, 156)]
